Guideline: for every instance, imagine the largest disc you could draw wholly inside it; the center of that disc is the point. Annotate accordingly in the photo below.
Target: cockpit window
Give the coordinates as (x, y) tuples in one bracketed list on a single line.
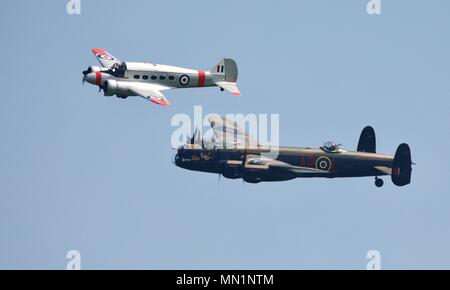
[(118, 69)]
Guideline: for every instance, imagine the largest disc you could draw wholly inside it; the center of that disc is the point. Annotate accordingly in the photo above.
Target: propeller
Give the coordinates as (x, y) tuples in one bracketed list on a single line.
[(244, 158), (173, 158), (85, 73), (196, 138)]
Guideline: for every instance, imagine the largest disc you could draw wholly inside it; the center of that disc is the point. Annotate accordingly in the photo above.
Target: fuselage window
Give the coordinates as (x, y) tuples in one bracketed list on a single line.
[(153, 77), (171, 78), (137, 77), (145, 77), (162, 78)]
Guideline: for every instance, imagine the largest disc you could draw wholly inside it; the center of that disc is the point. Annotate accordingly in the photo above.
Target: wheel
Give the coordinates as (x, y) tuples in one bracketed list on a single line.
[(379, 182), (222, 89)]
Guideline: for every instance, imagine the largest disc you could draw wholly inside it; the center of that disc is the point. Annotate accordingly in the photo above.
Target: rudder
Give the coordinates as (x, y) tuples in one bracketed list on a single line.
[(401, 168)]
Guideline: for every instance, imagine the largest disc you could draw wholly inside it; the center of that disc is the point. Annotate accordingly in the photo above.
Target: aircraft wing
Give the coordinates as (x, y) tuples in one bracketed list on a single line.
[(104, 57), (256, 162), (230, 87), (230, 133), (151, 92)]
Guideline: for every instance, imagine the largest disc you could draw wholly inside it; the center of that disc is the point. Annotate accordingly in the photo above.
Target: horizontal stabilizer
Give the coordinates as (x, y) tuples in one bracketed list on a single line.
[(383, 169), (229, 87)]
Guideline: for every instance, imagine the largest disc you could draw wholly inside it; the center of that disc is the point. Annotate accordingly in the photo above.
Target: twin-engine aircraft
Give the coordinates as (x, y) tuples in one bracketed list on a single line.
[(125, 79), (244, 158)]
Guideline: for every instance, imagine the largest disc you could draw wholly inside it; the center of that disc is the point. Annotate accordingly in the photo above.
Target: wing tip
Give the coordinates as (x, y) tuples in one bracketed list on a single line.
[(96, 50), (161, 103)]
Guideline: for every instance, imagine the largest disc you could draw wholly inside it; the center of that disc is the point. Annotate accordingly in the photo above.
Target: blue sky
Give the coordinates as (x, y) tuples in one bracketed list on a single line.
[(85, 172)]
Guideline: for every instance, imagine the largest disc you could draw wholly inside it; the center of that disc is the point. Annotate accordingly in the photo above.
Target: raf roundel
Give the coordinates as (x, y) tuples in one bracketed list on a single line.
[(184, 80), (105, 56), (323, 163)]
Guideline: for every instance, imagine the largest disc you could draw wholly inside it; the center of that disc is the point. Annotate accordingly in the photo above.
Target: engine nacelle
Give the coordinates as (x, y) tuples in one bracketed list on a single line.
[(113, 87), (94, 68), (232, 172), (235, 172), (252, 177)]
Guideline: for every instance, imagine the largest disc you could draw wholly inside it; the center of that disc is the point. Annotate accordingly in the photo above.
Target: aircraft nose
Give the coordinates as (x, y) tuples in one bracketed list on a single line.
[(176, 159)]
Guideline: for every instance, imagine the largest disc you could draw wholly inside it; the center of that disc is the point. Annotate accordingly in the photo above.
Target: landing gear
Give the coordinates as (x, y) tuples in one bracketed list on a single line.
[(122, 97), (222, 89), (378, 182)]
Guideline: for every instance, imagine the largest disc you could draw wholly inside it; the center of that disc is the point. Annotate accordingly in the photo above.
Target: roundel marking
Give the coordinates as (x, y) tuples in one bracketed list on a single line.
[(184, 80), (105, 56), (323, 163)]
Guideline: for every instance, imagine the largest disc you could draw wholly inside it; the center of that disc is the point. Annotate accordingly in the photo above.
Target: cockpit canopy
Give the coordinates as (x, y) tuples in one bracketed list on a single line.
[(118, 69), (330, 146)]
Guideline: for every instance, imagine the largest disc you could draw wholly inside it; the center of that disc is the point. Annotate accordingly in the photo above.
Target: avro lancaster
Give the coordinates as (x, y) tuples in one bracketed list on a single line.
[(245, 158)]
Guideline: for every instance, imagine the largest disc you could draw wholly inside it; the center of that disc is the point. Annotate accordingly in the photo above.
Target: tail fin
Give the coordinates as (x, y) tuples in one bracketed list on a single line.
[(367, 141), (228, 68), (227, 73), (401, 168)]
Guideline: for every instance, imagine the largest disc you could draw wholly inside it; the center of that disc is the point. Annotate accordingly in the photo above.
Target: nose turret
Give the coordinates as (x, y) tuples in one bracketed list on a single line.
[(178, 158), (182, 158)]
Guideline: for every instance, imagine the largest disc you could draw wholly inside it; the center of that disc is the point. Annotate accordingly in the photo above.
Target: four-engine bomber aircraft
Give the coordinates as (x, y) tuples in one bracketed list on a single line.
[(147, 80), (244, 158)]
